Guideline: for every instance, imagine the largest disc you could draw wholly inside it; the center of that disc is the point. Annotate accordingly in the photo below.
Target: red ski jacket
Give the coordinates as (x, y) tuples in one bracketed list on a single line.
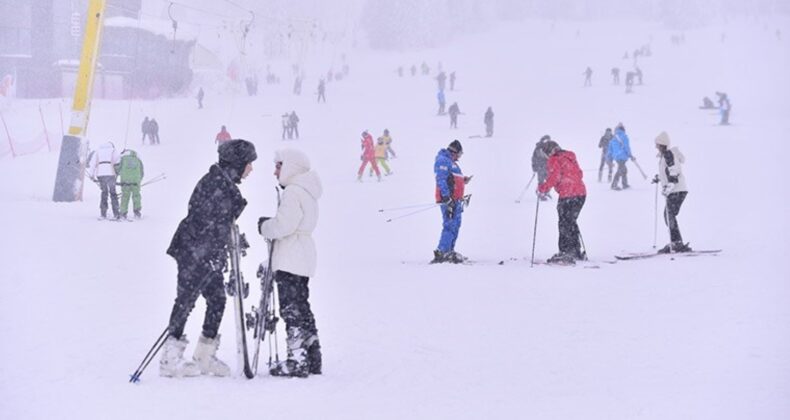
[(368, 151), (564, 175)]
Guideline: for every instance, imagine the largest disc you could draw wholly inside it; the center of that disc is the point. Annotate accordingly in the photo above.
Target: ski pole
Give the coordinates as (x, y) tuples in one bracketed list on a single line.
[(407, 207), (413, 213), (639, 167), (524, 191), (135, 377), (534, 233), (655, 217), (157, 178), (584, 248)]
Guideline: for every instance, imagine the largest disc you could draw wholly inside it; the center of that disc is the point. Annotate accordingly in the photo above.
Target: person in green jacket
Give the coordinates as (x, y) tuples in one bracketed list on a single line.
[(131, 172)]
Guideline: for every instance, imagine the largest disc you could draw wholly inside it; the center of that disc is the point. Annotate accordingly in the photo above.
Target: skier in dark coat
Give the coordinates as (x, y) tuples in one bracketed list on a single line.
[(454, 111), (488, 119), (539, 160), (200, 248), (603, 144)]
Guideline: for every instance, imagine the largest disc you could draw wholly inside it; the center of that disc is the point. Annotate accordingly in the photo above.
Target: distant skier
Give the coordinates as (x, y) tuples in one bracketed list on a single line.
[(450, 183), (293, 120), (588, 77), (102, 166), (452, 80), (388, 141), (154, 131), (222, 137), (565, 176), (200, 96), (629, 82), (298, 85), (488, 120), (615, 76), (638, 74), (603, 144), (724, 108), (400, 71), (294, 260), (200, 248), (381, 156), (413, 70), (286, 122), (539, 161), (131, 172), (454, 111), (322, 91), (368, 156), (441, 80), (707, 103), (619, 150), (673, 187), (146, 129), (425, 69), (441, 100)]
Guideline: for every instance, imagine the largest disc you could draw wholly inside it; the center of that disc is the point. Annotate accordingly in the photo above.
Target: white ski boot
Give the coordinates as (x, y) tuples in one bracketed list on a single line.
[(172, 364), (297, 363), (206, 357)]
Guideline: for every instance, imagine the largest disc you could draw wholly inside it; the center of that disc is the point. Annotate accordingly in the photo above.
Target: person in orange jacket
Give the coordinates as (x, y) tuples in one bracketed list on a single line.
[(222, 137)]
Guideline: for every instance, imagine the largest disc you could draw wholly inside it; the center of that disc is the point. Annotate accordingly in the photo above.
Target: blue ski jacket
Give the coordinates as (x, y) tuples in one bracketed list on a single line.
[(619, 146)]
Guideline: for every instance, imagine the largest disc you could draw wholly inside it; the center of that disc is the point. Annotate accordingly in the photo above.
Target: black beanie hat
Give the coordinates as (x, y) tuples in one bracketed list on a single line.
[(549, 147), (234, 156), (455, 147)]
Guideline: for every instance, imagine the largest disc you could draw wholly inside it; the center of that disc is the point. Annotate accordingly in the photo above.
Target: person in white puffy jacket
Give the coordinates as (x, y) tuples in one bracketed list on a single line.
[(673, 187), (294, 259), (102, 166)]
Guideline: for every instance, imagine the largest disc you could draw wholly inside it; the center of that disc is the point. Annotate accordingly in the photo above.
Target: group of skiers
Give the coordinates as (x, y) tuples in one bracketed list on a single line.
[(290, 125), (105, 166), (375, 154), (150, 129), (201, 245), (559, 169)]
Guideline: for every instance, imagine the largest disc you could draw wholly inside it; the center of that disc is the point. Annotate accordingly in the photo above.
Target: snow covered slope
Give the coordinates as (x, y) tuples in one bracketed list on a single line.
[(689, 338)]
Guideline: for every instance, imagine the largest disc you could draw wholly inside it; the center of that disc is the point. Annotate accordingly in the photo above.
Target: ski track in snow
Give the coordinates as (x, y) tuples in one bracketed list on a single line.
[(690, 338)]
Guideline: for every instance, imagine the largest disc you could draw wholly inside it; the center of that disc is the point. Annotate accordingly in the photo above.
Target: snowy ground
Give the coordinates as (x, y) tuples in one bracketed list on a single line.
[(690, 338)]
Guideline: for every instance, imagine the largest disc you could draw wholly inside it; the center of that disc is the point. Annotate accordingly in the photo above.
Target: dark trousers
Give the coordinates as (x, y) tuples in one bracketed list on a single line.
[(295, 309), (622, 172), (489, 129), (107, 185), (671, 211), (197, 278), (453, 120), (568, 210)]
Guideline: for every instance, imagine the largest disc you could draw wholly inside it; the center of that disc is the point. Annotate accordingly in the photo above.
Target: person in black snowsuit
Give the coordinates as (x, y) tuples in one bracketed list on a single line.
[(293, 120), (154, 131), (146, 129), (539, 160), (200, 248), (488, 119), (322, 90), (603, 144), (588, 77)]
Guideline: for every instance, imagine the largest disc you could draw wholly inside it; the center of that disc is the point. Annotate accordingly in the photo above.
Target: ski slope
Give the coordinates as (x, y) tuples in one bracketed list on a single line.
[(686, 338)]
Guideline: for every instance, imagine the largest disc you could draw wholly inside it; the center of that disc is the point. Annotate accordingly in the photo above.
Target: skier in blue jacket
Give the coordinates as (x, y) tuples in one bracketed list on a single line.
[(620, 151), (450, 182)]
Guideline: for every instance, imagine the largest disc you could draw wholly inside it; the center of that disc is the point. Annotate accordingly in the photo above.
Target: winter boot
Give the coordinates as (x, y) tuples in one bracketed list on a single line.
[(680, 247), (296, 365), (172, 364), (665, 250), (314, 355), (439, 257), (456, 257), (562, 258), (206, 357)]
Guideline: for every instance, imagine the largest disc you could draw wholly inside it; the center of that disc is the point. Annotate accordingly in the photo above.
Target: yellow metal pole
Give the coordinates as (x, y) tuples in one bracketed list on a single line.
[(71, 164), (90, 51)]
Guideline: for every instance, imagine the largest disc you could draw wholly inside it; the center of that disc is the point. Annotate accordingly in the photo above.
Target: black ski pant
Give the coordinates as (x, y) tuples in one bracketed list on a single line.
[(489, 129), (107, 185), (197, 278), (453, 121), (295, 309), (671, 211), (622, 172), (568, 210)]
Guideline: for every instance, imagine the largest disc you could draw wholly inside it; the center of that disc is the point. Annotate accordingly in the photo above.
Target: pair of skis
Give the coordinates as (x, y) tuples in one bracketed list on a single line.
[(260, 320)]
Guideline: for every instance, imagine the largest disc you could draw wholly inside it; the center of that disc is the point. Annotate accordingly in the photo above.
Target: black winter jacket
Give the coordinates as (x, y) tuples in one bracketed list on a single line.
[(215, 205)]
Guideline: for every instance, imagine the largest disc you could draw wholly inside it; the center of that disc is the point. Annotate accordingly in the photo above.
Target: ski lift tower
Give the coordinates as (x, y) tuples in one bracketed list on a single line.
[(71, 163)]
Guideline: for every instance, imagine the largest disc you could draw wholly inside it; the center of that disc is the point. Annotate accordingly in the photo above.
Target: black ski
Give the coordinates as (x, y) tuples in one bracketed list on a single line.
[(239, 290), (644, 255), (263, 319)]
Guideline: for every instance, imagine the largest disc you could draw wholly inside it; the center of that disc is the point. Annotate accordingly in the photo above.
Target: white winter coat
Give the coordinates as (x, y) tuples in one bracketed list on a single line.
[(676, 169), (297, 216), (104, 161)]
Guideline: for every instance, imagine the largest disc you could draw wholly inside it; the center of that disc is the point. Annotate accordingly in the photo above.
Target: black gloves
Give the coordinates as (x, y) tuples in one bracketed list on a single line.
[(260, 222)]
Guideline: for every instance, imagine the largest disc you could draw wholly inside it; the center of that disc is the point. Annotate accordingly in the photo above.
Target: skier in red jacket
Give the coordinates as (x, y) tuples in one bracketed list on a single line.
[(368, 156), (565, 176)]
